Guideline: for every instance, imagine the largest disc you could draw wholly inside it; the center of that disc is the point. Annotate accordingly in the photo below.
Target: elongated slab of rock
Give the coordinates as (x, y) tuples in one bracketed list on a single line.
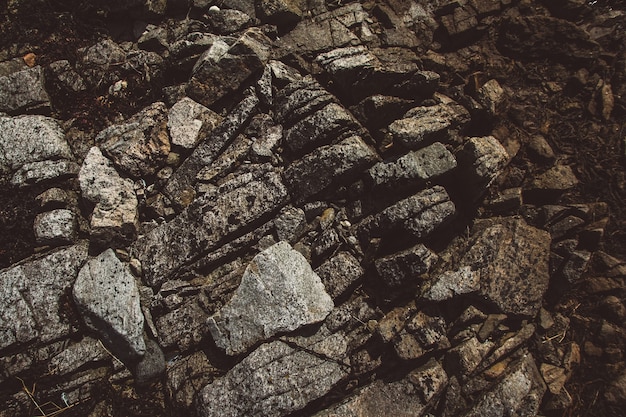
[(273, 381), (279, 292), (409, 396), (23, 91), (406, 266), (185, 119), (299, 99), (56, 226), (420, 214), (427, 163), (32, 295), (115, 216), (37, 172), (106, 294), (327, 165), (204, 225), (481, 161), (141, 145)]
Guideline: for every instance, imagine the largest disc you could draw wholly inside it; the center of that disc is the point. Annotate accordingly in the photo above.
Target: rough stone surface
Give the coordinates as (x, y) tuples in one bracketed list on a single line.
[(24, 91), (481, 161), (140, 146), (406, 266), (107, 296), (274, 380), (451, 283), (185, 119), (56, 227), (37, 172), (33, 294), (115, 216), (339, 273), (279, 293)]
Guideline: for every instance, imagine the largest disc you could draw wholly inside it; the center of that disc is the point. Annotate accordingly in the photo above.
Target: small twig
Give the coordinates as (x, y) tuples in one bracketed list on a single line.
[(109, 352)]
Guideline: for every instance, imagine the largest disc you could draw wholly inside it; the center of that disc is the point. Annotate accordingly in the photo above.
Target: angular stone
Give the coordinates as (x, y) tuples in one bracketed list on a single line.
[(339, 273), (185, 119), (299, 99), (140, 146), (279, 292), (327, 165), (207, 223), (115, 216), (452, 283), (107, 296), (100, 63), (422, 165), (280, 12), (28, 139), (227, 21), (186, 376), (55, 227), (290, 224), (406, 266), (466, 357), (66, 77), (420, 214), (519, 391), (421, 334), (274, 380), (229, 62), (77, 355), (151, 365), (557, 179), (410, 396), (37, 172), (171, 335), (33, 294), (24, 91), (537, 37), (492, 97), (481, 160), (460, 22)]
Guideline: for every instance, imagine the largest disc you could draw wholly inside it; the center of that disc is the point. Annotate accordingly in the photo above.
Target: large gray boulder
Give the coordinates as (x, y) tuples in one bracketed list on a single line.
[(279, 292), (115, 216), (274, 380), (107, 296)]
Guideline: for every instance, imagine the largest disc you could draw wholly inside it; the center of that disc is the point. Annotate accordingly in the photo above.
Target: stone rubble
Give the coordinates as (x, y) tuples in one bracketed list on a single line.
[(305, 208)]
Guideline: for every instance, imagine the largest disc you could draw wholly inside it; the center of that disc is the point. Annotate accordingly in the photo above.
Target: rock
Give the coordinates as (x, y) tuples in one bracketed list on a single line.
[(461, 22), (425, 164), (410, 396), (557, 179), (405, 267), (53, 198), (274, 380), (492, 97), (281, 13), (24, 91), (28, 139), (107, 296), (100, 64), (453, 283), (279, 292), (508, 344), (481, 160), (152, 365), (538, 37), (327, 165), (227, 21), (339, 273), (186, 376), (33, 296), (299, 99), (64, 75), (290, 224), (56, 227), (230, 158), (115, 217), (229, 62), (206, 223), (422, 126), (423, 333), (420, 214), (465, 357), (378, 111), (554, 377), (77, 355), (172, 336), (519, 391), (140, 146), (616, 391), (185, 119), (36, 172)]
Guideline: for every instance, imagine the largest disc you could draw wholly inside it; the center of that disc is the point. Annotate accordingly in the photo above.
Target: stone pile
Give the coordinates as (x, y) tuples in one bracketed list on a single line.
[(314, 221)]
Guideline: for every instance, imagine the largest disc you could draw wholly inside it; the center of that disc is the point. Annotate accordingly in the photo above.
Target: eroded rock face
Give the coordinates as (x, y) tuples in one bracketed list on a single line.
[(279, 292), (24, 91)]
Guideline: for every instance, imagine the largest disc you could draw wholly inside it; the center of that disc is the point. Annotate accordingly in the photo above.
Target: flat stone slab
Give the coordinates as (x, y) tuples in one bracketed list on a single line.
[(24, 90), (279, 292), (273, 381)]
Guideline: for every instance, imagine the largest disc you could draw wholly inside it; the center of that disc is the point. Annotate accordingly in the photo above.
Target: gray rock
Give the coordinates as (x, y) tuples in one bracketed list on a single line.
[(37, 172), (186, 376), (227, 161), (53, 198), (420, 214), (280, 12), (410, 396), (24, 91), (327, 165), (115, 215), (299, 99), (227, 64), (290, 224), (185, 119), (481, 160), (56, 227), (171, 335), (152, 365), (339, 273), (180, 186), (492, 97), (422, 126), (452, 283), (465, 358), (422, 165), (100, 64), (274, 380), (279, 292), (227, 21), (405, 267), (33, 295), (140, 146), (107, 296), (28, 139), (206, 224), (77, 355), (66, 77), (422, 333), (519, 391)]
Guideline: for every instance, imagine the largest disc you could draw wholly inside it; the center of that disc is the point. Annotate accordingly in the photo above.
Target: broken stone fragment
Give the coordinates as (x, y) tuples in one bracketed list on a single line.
[(452, 283), (227, 21), (100, 64), (24, 91), (115, 216), (107, 296), (185, 119), (481, 160), (140, 146), (299, 99), (274, 380), (186, 376), (55, 227), (279, 292), (465, 357), (492, 97), (557, 179), (406, 266), (37, 172), (279, 12), (339, 273)]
